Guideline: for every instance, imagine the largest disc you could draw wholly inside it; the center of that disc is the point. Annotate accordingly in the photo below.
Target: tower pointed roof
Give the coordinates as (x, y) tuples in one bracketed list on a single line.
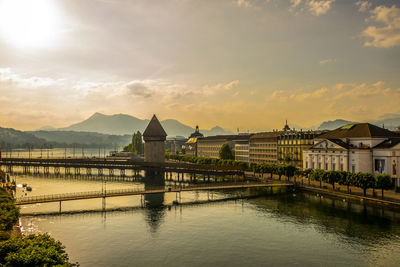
[(154, 131)]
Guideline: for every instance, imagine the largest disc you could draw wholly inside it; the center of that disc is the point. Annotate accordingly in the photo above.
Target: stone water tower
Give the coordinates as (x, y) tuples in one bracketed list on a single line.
[(154, 141)]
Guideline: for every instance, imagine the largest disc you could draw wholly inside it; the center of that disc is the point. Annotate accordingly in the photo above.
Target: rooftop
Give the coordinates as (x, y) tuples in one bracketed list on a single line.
[(359, 130), (154, 130)]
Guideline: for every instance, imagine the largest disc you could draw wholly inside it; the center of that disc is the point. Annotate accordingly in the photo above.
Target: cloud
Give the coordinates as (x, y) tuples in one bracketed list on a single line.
[(317, 94), (388, 33), (243, 3), (363, 90), (318, 8), (315, 7), (294, 4), (327, 61), (363, 5), (138, 89)]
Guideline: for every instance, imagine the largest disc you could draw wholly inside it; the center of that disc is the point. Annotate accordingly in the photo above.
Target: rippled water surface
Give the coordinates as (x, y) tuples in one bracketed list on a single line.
[(278, 228)]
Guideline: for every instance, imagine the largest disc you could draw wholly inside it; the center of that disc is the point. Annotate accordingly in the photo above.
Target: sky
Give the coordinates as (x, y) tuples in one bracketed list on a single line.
[(244, 64)]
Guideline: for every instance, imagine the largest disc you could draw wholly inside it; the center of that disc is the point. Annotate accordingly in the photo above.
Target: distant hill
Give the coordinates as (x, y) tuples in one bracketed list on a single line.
[(389, 121), (13, 138), (121, 124), (82, 138), (331, 125)]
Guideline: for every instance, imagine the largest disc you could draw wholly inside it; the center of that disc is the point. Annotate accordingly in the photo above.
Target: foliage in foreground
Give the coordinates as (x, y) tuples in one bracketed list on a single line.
[(9, 212), (33, 250)]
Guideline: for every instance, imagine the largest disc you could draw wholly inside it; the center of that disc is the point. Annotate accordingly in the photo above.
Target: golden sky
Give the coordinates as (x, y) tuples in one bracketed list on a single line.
[(247, 64)]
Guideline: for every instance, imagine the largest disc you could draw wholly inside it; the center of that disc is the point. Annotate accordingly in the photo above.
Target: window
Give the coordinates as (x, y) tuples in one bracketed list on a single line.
[(319, 165), (312, 165), (326, 166), (341, 166), (333, 166), (353, 168), (306, 165)]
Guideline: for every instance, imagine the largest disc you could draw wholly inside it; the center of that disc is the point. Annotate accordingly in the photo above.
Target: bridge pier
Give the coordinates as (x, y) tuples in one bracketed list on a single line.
[(9, 169), (88, 171), (100, 171), (36, 170), (111, 172), (77, 171), (46, 170), (122, 172), (57, 170), (67, 171)]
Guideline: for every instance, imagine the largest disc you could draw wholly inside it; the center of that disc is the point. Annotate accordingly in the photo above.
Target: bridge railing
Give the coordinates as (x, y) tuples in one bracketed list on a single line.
[(104, 163), (137, 189)]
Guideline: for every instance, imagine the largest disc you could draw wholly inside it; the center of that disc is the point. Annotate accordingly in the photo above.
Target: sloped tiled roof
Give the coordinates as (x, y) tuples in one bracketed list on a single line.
[(265, 135), (339, 143), (359, 130), (389, 143), (154, 129)]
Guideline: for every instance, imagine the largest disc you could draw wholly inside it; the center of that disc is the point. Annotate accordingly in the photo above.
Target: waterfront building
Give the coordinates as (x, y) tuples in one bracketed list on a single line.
[(292, 143), (175, 144), (263, 147), (154, 137), (242, 149), (361, 147), (210, 146), (191, 143)]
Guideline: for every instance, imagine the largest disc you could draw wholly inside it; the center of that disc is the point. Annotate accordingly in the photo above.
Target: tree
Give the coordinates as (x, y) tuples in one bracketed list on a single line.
[(347, 179), (290, 171), (384, 182), (33, 250), (317, 175), (225, 152), (137, 143), (365, 181), (279, 170), (331, 177)]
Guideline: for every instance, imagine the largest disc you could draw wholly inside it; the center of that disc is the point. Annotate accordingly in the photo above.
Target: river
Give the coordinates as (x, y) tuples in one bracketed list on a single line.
[(286, 228)]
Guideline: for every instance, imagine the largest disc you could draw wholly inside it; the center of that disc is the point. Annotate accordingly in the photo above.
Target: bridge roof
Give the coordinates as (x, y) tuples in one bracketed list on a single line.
[(154, 130)]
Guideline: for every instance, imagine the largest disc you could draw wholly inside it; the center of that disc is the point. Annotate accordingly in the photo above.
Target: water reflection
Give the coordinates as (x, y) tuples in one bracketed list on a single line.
[(154, 203), (347, 219)]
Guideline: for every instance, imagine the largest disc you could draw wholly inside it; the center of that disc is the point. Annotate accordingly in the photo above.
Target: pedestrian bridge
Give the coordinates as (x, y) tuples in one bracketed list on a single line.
[(66, 164), (142, 191)]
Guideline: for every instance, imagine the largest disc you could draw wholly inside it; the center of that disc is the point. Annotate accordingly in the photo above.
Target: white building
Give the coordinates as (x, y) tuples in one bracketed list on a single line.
[(359, 147)]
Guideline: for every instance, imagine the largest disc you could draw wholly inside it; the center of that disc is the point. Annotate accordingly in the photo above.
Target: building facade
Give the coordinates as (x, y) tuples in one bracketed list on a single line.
[(359, 147), (175, 144), (292, 143), (263, 147)]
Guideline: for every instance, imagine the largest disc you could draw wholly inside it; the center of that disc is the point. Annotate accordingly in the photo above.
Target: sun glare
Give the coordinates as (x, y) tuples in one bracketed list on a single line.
[(29, 23)]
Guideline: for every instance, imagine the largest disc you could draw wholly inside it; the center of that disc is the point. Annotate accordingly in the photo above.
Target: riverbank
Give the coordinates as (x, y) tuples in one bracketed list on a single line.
[(30, 250), (390, 198)]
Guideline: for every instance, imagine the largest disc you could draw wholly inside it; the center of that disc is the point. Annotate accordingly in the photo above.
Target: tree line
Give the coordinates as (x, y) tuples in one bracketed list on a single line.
[(361, 180)]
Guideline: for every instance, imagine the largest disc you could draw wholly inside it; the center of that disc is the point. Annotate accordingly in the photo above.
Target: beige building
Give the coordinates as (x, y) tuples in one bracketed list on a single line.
[(292, 143), (210, 146), (359, 147), (263, 147)]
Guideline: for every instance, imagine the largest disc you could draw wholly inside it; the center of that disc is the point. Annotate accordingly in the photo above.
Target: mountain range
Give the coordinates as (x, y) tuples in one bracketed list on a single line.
[(389, 121), (122, 124)]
